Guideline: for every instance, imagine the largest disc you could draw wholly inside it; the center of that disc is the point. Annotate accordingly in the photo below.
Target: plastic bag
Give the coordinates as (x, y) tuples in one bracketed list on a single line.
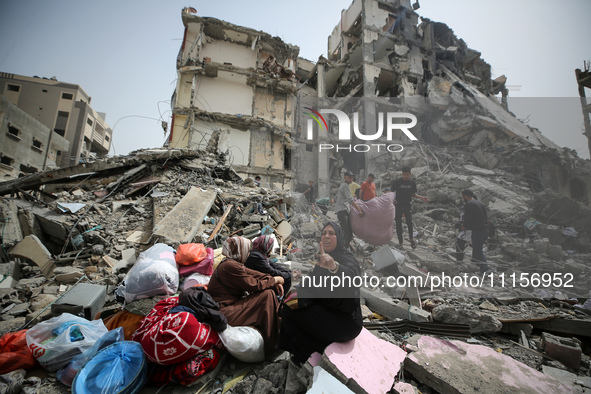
[(244, 343), (376, 226), (118, 368), (189, 254), (204, 267), (195, 280), (14, 353), (55, 342), (154, 273), (66, 375)]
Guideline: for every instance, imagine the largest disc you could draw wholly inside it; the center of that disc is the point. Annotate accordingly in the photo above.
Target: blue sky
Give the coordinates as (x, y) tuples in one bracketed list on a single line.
[(123, 53)]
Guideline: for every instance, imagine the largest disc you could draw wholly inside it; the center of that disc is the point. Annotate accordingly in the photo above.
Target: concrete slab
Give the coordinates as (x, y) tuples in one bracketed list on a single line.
[(580, 384), (391, 308), (366, 362), (31, 248), (385, 257), (12, 232), (140, 237), (183, 221), (458, 367), (325, 383), (8, 282)]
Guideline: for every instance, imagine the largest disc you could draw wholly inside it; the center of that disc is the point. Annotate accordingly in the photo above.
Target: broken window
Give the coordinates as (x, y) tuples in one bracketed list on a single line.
[(61, 122), (37, 144), (578, 191), (13, 131), (28, 169), (13, 88), (6, 160), (89, 122), (44, 90), (286, 158), (67, 96)]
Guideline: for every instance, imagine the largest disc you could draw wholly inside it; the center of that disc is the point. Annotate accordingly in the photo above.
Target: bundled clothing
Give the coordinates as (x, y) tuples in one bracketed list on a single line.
[(258, 260), (203, 307), (329, 316), (245, 296)]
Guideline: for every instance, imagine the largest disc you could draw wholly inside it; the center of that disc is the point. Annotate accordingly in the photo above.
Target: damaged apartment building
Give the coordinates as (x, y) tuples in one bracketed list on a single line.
[(384, 58), (235, 91), (46, 124)]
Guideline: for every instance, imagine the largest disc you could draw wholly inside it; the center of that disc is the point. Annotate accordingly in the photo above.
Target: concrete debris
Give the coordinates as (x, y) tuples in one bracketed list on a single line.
[(444, 365), (66, 229)]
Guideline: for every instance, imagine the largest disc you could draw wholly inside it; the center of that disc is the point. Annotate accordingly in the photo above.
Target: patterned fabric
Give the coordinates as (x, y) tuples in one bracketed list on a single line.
[(171, 338), (264, 244), (186, 372), (237, 248)]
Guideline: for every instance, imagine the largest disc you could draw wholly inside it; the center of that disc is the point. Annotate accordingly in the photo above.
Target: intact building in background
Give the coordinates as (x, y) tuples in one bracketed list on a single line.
[(63, 108), (235, 92)]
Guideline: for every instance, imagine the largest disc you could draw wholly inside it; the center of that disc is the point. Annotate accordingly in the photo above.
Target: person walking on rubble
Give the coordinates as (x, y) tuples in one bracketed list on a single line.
[(310, 194), (463, 239), (405, 189), (344, 199), (476, 220)]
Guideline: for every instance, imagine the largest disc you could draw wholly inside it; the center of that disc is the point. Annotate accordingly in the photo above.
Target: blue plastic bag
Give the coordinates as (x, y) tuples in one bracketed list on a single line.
[(118, 368), (66, 375)]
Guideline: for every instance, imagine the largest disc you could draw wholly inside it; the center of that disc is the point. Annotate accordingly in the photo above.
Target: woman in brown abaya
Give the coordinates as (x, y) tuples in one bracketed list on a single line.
[(246, 296)]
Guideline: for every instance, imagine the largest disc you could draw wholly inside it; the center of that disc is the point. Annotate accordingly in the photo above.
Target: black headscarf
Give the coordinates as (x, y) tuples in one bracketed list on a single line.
[(341, 253)]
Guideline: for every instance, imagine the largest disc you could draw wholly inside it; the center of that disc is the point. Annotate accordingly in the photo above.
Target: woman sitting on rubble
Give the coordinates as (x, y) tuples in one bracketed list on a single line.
[(246, 297), (327, 314), (258, 260)]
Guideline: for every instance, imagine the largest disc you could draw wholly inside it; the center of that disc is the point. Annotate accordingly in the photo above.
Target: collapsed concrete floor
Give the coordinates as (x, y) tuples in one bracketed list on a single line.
[(88, 223)]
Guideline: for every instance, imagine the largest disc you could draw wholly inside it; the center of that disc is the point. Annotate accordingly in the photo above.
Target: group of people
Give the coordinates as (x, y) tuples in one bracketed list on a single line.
[(474, 220), (250, 289)]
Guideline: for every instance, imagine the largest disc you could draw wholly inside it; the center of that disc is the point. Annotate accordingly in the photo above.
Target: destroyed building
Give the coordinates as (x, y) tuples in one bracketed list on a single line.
[(87, 223), (237, 85), (64, 108)]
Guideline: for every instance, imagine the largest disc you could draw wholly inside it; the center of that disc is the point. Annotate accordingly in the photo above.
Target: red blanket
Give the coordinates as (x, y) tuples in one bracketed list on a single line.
[(170, 338)]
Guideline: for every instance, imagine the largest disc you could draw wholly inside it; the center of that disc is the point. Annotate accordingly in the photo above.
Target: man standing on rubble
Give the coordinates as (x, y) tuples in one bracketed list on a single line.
[(310, 194), (476, 219), (405, 189), (344, 199)]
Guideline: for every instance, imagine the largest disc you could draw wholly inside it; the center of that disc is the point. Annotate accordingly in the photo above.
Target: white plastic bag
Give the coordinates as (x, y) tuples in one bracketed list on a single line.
[(154, 273), (55, 342), (244, 343)]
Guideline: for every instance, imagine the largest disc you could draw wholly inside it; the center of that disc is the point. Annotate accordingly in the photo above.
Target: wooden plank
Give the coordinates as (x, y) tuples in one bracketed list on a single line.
[(219, 225)]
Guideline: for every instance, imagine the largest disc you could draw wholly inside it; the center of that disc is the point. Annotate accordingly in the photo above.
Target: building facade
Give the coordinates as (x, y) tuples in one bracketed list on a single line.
[(65, 109), (235, 91), (26, 145)]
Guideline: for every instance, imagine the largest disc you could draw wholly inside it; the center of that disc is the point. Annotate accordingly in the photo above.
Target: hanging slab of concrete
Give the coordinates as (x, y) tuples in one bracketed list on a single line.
[(458, 367), (391, 308), (366, 364), (183, 221), (325, 383), (52, 224), (31, 248), (11, 230)]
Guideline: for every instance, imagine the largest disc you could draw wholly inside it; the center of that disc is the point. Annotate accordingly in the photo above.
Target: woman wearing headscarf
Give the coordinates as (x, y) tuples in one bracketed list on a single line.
[(246, 296), (258, 260), (332, 315)]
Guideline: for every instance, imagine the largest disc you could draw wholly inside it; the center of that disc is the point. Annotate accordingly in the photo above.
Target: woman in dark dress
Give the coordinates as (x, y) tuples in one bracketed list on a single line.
[(258, 260), (329, 316)]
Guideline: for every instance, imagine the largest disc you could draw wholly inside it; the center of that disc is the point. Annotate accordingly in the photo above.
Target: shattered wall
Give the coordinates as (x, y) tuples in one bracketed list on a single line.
[(239, 79)]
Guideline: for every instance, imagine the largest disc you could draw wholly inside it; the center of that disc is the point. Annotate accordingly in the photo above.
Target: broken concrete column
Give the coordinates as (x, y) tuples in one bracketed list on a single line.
[(183, 221), (33, 249), (479, 322), (391, 308)]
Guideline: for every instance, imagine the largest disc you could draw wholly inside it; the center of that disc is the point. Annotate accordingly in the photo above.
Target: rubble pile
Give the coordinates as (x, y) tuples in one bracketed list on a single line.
[(87, 227)]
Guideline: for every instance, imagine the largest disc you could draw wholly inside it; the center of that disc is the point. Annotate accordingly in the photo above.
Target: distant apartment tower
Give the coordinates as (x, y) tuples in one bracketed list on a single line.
[(237, 85), (65, 109)]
